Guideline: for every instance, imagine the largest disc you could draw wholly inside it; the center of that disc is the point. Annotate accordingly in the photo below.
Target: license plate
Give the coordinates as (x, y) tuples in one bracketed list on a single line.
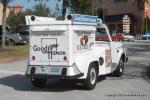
[(42, 70), (54, 69)]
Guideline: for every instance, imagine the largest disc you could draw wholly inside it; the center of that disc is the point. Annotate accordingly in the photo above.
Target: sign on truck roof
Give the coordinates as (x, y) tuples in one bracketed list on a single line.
[(85, 19)]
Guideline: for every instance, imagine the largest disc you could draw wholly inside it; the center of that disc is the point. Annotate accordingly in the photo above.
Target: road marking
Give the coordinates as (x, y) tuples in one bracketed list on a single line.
[(11, 72)]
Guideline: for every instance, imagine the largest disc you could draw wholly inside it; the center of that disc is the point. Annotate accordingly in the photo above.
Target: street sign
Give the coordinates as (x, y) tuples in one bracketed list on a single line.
[(126, 24)]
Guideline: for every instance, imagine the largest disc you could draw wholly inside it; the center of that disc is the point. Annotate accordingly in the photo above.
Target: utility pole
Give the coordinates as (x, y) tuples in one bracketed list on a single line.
[(65, 3), (4, 3), (93, 7)]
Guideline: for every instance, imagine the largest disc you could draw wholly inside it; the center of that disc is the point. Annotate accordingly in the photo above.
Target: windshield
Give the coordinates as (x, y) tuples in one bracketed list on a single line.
[(101, 34)]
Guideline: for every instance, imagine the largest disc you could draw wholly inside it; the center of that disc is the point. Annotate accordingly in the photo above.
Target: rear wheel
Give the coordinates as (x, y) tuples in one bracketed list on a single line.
[(91, 80), (38, 82), (120, 68)]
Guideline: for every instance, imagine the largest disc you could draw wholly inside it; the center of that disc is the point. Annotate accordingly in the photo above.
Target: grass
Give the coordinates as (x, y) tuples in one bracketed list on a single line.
[(14, 51)]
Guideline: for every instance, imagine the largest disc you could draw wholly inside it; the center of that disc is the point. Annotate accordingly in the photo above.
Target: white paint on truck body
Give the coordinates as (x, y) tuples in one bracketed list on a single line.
[(55, 45)]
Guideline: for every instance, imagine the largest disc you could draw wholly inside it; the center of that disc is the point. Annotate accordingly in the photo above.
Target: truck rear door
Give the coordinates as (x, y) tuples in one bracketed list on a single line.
[(49, 48)]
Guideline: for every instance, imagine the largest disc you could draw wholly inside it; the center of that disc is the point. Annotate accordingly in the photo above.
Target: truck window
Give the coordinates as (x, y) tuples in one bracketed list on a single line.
[(101, 35)]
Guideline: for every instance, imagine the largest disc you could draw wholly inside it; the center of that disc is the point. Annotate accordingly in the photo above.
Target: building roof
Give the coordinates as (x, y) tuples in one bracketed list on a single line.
[(18, 6), (117, 18)]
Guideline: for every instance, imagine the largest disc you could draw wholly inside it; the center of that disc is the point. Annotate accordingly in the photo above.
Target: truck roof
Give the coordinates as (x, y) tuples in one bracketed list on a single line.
[(75, 19)]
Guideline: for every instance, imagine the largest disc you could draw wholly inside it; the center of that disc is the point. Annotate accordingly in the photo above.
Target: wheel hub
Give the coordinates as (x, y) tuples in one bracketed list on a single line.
[(92, 76)]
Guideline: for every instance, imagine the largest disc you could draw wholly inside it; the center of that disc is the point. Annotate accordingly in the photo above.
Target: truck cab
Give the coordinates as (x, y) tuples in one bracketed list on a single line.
[(70, 49)]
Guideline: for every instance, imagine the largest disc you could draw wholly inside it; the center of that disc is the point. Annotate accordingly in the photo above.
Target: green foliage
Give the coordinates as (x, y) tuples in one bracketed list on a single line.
[(57, 10), (141, 4), (81, 6), (59, 18), (19, 51), (39, 10), (14, 20)]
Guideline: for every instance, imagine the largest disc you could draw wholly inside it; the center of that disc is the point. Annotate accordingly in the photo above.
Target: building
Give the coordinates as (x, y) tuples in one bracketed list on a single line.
[(113, 11), (17, 8), (147, 9), (9, 10), (1, 12)]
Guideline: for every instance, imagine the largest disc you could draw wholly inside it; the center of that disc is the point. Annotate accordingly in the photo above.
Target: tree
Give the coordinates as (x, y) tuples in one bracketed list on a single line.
[(81, 6), (39, 10), (141, 4), (4, 3), (14, 20)]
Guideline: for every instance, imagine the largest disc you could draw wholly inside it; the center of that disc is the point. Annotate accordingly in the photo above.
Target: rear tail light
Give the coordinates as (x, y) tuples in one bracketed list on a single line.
[(33, 57), (65, 58)]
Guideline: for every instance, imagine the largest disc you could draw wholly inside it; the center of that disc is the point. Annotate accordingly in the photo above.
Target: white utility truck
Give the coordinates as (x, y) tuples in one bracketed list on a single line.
[(69, 50)]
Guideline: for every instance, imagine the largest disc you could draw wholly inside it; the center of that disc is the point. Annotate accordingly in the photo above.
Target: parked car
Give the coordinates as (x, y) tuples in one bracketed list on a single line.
[(139, 36), (114, 37), (117, 37), (128, 37), (18, 38), (146, 36)]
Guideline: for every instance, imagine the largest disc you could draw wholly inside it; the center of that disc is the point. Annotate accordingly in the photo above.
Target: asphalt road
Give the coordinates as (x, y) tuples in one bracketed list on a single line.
[(133, 85)]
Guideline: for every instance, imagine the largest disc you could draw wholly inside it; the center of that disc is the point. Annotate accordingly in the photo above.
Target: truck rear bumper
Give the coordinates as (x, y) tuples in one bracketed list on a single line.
[(61, 72), (54, 76)]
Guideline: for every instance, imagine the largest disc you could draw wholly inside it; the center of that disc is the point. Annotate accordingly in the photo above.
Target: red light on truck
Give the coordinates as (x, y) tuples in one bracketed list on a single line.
[(65, 58), (32, 18), (33, 57), (69, 17)]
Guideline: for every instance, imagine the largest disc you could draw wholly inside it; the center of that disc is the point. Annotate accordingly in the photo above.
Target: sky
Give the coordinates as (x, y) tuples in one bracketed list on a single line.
[(27, 4)]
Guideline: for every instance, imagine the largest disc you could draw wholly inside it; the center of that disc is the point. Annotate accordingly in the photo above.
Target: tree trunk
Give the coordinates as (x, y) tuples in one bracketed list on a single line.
[(4, 26)]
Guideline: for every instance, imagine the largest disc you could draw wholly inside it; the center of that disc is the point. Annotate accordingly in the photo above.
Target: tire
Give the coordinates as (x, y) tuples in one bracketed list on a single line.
[(38, 82), (91, 80), (120, 68), (12, 42)]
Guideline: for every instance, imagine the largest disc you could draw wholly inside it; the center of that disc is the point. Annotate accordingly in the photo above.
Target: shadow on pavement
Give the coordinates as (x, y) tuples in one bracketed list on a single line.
[(21, 83)]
